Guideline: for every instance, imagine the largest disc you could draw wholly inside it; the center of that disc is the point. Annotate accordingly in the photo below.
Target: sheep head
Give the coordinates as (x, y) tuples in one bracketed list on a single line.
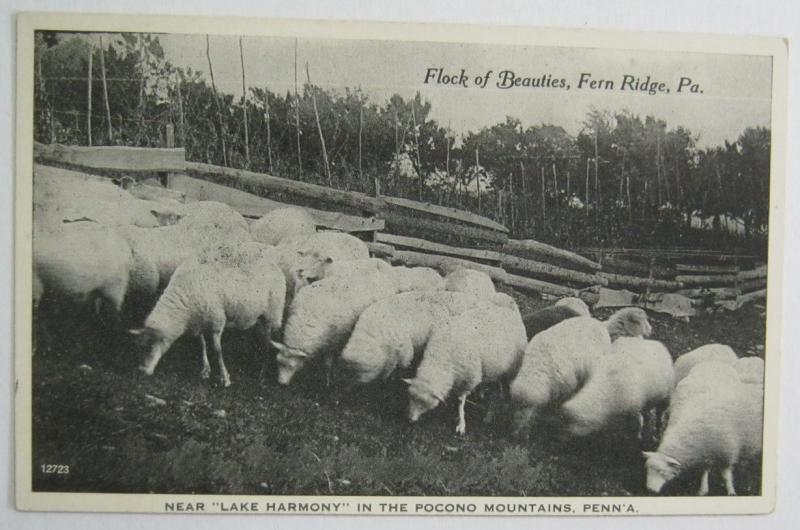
[(290, 361), (421, 399), (629, 322), (660, 469), (153, 343)]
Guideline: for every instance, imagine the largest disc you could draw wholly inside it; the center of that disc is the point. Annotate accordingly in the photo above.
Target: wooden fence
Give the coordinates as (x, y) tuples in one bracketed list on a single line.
[(422, 234)]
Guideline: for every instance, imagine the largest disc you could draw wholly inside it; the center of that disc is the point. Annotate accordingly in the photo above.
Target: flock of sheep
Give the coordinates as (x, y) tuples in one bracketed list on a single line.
[(197, 268)]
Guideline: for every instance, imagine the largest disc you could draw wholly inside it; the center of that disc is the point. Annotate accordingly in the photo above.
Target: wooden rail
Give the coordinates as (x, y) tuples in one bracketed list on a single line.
[(118, 158), (422, 234)]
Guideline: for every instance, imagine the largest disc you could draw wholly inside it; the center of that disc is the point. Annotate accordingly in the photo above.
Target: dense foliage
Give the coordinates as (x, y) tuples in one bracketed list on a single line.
[(624, 180)]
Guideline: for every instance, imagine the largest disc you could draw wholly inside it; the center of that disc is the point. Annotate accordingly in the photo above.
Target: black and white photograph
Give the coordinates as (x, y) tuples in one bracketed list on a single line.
[(333, 268)]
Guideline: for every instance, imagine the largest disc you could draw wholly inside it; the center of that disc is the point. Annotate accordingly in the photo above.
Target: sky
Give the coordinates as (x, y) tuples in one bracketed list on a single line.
[(736, 89)]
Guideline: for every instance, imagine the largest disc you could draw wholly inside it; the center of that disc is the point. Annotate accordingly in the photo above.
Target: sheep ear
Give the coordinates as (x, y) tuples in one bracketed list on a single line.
[(298, 353), (647, 454), (671, 462), (278, 345), (136, 331), (407, 381)]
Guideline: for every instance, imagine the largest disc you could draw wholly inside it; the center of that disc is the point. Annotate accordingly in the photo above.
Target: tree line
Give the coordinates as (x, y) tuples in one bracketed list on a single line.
[(623, 180)]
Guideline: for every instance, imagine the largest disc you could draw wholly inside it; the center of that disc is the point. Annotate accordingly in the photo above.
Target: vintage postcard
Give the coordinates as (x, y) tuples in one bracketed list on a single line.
[(308, 267)]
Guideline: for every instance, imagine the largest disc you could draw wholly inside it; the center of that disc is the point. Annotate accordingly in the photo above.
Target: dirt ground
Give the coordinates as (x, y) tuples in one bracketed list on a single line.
[(119, 431)]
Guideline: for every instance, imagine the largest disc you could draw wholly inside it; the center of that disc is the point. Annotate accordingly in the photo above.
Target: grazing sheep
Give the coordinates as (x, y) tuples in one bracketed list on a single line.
[(313, 254), (751, 370), (229, 286), (477, 346), (635, 377), (545, 318), (321, 318), (709, 352), (416, 279), (278, 224), (157, 253), (393, 332), (469, 281), (629, 322), (82, 262), (715, 422), (556, 363)]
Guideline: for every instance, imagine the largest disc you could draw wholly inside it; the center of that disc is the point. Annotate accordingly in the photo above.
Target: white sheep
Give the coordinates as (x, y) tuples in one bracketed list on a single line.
[(393, 332), (70, 196), (157, 252), (634, 378), (229, 286), (715, 422), (321, 318), (477, 346), (629, 322), (469, 281), (278, 224), (357, 267), (708, 352), (312, 255), (82, 262), (542, 319), (556, 363), (210, 214), (416, 279), (751, 370)]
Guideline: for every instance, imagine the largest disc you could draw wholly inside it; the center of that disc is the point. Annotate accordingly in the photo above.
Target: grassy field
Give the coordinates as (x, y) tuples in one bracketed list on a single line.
[(94, 412)]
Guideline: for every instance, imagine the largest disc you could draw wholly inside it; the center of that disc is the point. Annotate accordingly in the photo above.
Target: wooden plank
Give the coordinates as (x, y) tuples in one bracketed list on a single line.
[(753, 296), (441, 225), (408, 224), (286, 190), (619, 265), (528, 248), (118, 158), (707, 269), (537, 268), (668, 253), (758, 272), (529, 284), (641, 283), (437, 248), (443, 211), (706, 279), (380, 250), (445, 264), (752, 285), (254, 206), (720, 293)]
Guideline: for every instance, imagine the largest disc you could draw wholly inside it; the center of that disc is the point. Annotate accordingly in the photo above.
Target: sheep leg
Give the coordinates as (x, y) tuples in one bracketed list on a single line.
[(205, 373), (703, 484), (461, 428), (327, 362), (727, 478), (521, 423), (264, 334), (224, 377), (640, 421)]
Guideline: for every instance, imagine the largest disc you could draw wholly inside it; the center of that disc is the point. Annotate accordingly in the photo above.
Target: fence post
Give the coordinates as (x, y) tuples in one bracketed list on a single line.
[(166, 178), (89, 100)]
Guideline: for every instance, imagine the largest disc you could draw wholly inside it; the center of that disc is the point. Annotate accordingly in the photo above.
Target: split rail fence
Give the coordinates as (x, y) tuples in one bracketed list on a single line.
[(413, 233)]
